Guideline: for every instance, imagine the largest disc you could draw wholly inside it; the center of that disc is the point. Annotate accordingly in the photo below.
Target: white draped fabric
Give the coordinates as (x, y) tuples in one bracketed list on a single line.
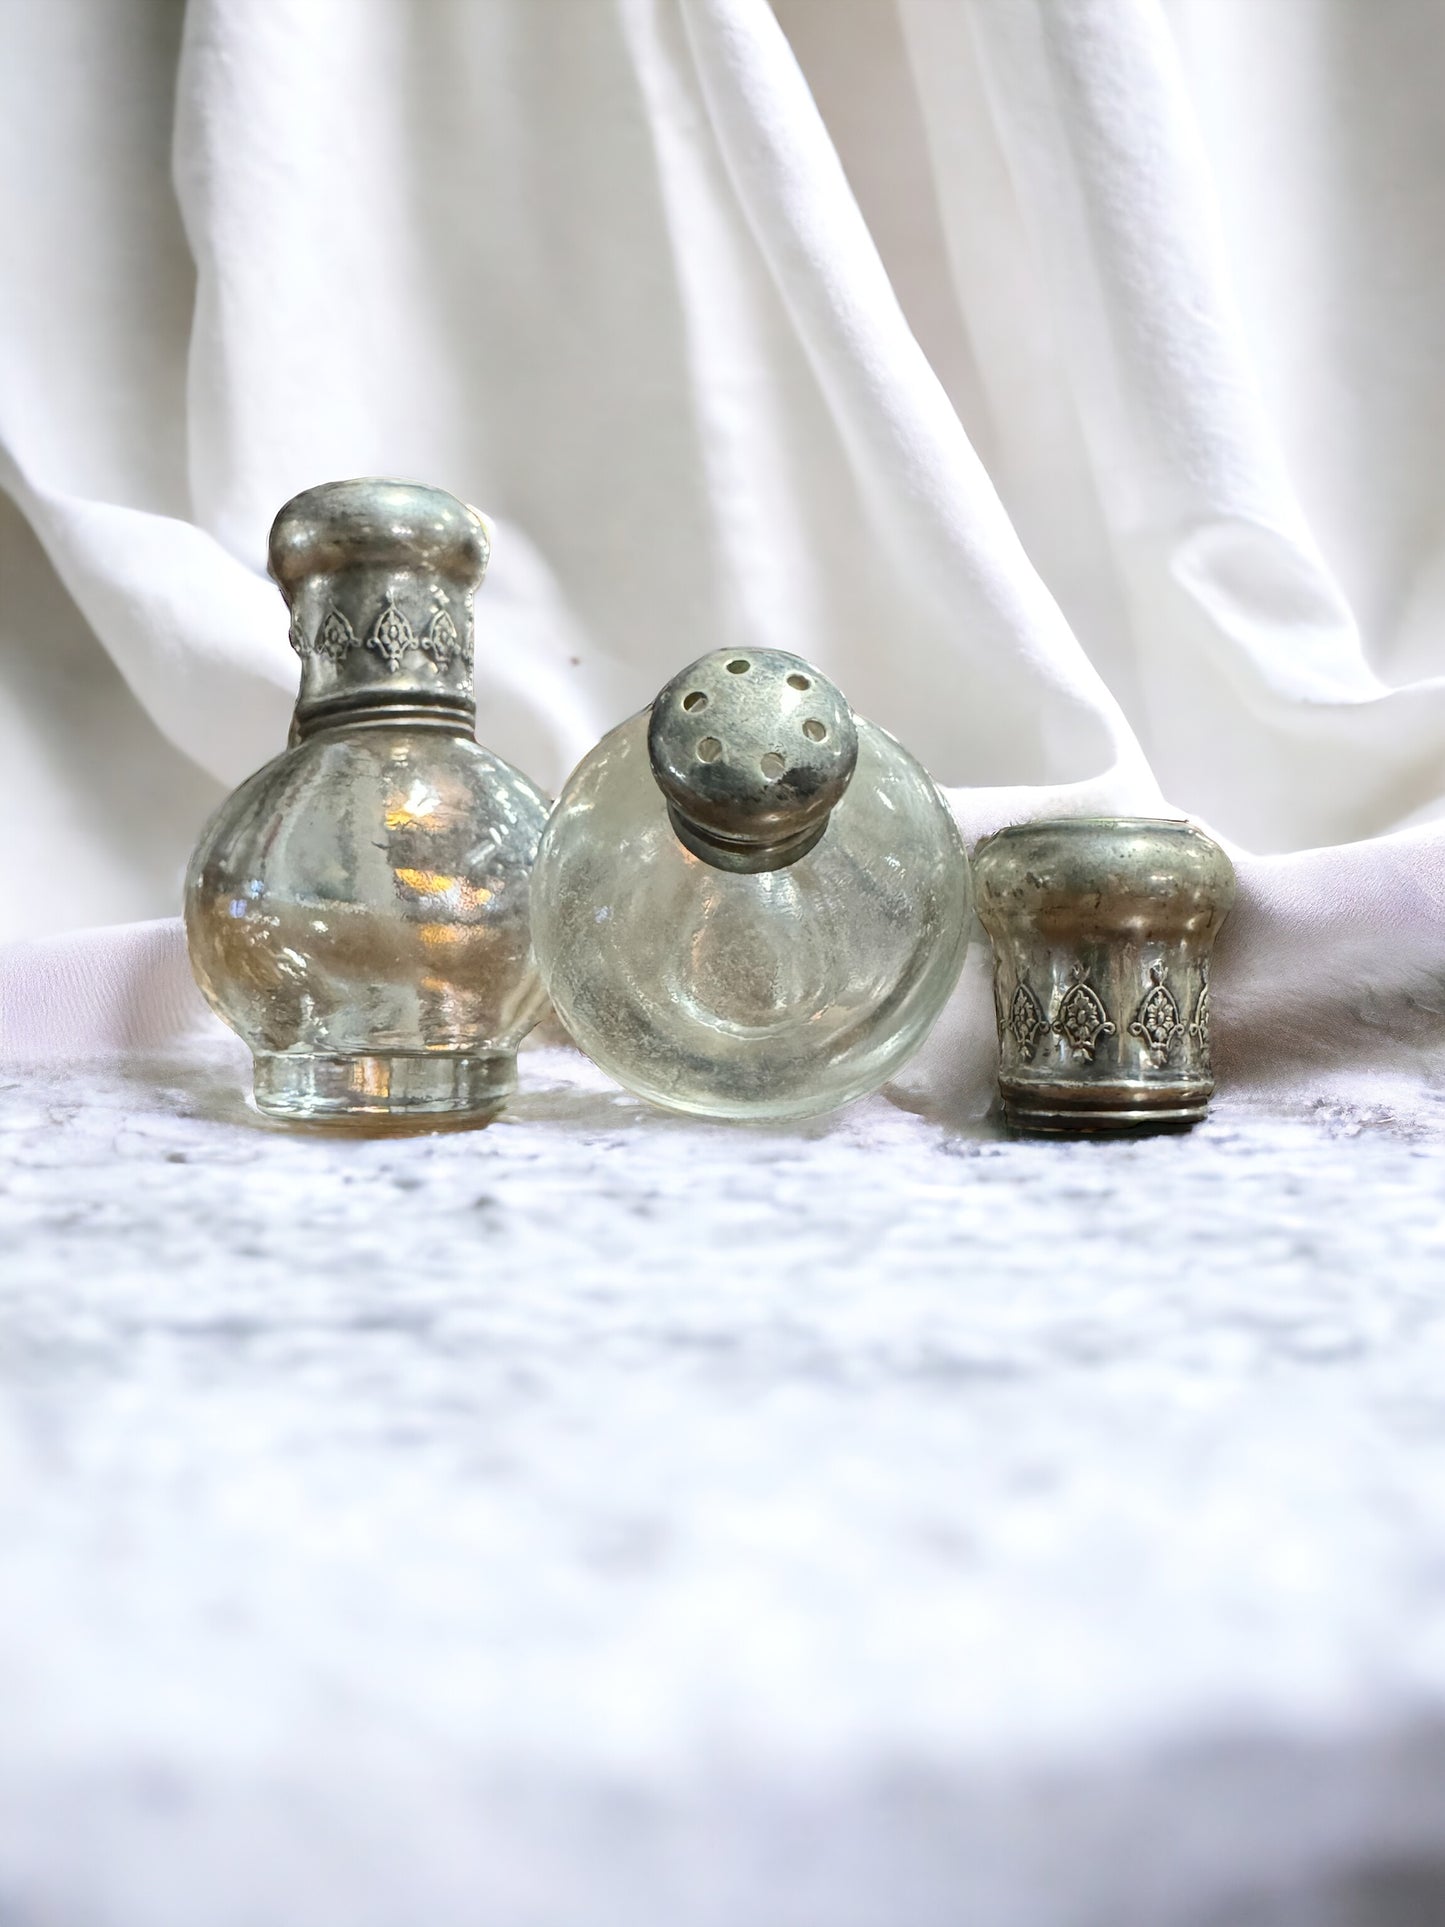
[(1063, 376)]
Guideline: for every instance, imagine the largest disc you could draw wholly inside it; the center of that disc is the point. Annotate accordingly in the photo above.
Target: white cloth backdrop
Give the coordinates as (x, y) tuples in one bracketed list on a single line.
[(1063, 376)]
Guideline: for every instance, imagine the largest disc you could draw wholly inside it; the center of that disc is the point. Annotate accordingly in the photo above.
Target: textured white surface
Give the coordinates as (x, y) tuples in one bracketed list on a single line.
[(610, 1520)]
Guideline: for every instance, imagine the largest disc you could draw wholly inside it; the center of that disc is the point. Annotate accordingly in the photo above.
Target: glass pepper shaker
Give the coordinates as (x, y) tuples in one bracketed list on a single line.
[(750, 903), (358, 910)]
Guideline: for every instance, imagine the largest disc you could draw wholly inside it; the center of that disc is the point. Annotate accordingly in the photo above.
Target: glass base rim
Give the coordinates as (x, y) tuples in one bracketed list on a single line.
[(383, 1090)]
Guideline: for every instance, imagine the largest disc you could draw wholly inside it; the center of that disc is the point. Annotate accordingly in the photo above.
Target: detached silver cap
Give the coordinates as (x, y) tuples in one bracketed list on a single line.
[(380, 578), (1102, 930), (752, 749)]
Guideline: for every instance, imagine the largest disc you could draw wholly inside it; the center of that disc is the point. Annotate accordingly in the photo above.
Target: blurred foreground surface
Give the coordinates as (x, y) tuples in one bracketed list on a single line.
[(612, 1521)]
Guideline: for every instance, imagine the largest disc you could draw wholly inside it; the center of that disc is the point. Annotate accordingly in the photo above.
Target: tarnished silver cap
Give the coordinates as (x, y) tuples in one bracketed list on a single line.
[(1102, 930), (380, 577), (752, 749)]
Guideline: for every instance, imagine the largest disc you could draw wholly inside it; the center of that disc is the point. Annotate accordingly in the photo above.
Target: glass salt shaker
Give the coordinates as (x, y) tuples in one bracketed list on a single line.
[(358, 910), (750, 903)]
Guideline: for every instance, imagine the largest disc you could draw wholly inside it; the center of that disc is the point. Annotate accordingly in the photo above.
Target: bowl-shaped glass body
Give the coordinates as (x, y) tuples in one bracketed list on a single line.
[(358, 912), (768, 995)]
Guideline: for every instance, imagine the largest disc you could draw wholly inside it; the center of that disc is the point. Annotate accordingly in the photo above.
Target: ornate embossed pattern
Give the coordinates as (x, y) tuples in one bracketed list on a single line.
[(391, 636), (1026, 1022), (1199, 1025), (335, 636), (1081, 1019), (441, 641), (1157, 1021)]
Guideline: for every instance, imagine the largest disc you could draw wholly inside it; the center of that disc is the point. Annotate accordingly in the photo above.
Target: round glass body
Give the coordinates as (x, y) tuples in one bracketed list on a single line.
[(358, 912), (774, 994)]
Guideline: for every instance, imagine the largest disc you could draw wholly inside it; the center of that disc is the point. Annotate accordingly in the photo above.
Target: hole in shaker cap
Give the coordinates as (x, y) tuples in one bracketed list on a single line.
[(773, 765), (814, 730), (694, 700), (739, 666), (799, 682), (709, 749)]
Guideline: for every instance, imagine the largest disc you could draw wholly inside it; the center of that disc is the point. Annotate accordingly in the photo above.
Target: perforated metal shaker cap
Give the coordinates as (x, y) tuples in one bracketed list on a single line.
[(752, 749)]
